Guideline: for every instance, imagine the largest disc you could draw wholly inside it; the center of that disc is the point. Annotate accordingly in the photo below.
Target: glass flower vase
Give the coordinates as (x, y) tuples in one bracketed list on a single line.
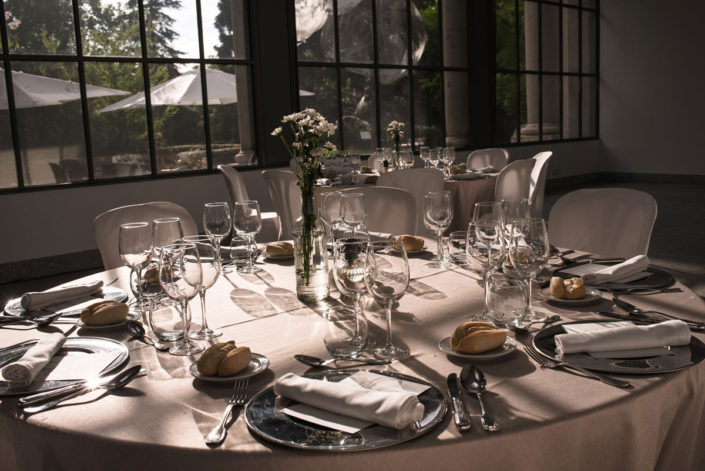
[(310, 256)]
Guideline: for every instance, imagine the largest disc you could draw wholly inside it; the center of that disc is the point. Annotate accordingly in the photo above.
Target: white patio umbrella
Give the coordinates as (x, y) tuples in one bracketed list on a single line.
[(35, 90)]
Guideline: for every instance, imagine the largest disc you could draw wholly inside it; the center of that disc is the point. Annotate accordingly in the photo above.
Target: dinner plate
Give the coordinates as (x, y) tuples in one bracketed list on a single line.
[(258, 363), (73, 307), (72, 346), (131, 316), (676, 359), (267, 422), (509, 346), (657, 278), (591, 295)]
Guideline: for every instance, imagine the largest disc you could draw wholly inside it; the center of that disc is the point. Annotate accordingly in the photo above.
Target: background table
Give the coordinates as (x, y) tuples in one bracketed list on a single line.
[(550, 419)]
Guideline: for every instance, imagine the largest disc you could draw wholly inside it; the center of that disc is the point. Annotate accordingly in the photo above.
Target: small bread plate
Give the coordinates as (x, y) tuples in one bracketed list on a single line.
[(591, 295), (258, 363), (131, 316), (74, 307), (410, 253), (508, 347)]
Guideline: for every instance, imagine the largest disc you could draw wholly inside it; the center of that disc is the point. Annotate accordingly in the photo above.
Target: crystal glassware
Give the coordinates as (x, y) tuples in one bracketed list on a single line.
[(181, 276), (387, 278), (217, 221), (165, 231), (135, 248), (438, 215), (529, 251), (330, 212), (247, 222), (349, 269), (448, 157), (208, 252), (424, 155), (353, 213), (489, 240)]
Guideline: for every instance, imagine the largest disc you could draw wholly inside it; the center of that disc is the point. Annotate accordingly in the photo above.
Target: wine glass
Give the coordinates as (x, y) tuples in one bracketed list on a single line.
[(448, 156), (489, 244), (424, 155), (330, 212), (209, 253), (387, 278), (437, 217), (407, 158), (247, 221), (165, 231), (135, 248), (529, 251), (216, 220), (349, 269), (181, 276), (434, 156), (353, 211), (514, 211)]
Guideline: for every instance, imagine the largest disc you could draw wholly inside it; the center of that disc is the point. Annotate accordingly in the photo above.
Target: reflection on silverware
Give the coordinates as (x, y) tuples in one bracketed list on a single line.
[(238, 398), (137, 331), (524, 329), (39, 321), (317, 362), (460, 413), (474, 382)]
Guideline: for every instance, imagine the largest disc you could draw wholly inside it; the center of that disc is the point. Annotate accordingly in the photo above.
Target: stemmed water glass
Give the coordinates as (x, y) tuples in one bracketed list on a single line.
[(247, 221), (217, 221), (387, 278), (208, 252), (424, 155), (489, 245), (353, 213), (330, 212), (434, 155), (529, 251), (349, 269), (448, 157), (135, 248), (514, 210), (437, 217), (181, 276), (165, 231)]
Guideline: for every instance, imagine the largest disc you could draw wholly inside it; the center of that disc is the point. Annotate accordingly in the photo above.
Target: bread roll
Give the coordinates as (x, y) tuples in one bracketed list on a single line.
[(104, 313), (279, 249), (223, 359), (572, 288), (234, 362), (557, 287), (411, 243), (456, 170), (476, 337)]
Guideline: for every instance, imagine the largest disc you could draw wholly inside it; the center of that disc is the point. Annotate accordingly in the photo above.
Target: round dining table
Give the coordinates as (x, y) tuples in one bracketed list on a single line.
[(550, 419)]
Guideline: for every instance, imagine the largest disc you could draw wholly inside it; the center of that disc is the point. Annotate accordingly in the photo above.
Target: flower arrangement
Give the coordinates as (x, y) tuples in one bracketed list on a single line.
[(395, 130)]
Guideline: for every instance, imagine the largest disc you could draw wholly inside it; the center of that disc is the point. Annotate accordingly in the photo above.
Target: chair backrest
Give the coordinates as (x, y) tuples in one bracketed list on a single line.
[(106, 225), (418, 182), (286, 198), (234, 183), (514, 180), (492, 157), (538, 182), (390, 210), (613, 222)]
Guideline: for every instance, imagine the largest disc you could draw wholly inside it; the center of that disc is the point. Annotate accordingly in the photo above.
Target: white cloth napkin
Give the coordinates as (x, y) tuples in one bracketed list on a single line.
[(23, 371), (380, 236), (617, 272), (38, 300), (617, 336), (395, 409)]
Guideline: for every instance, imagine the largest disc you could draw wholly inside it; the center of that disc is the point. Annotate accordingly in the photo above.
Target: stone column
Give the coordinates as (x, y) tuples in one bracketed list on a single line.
[(456, 86)]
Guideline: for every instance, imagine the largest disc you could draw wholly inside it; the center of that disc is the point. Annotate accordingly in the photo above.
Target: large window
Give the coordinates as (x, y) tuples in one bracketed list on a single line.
[(73, 106)]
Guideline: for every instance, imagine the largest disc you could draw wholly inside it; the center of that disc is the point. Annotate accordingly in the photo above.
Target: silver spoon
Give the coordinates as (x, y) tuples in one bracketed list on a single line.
[(525, 328), (137, 332), (474, 382), (317, 362)]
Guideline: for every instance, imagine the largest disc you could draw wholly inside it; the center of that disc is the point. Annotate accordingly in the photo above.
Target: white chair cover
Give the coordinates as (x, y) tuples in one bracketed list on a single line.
[(418, 182), (538, 183), (613, 222), (389, 210), (286, 198), (106, 225), (492, 157), (514, 180), (271, 225)]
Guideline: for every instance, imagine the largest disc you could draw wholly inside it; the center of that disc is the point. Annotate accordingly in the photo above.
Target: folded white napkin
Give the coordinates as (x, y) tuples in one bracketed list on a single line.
[(395, 409), (380, 236), (617, 272), (617, 336), (38, 300), (23, 371), (323, 181)]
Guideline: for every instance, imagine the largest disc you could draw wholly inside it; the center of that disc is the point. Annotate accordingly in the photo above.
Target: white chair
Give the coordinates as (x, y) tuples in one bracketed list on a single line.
[(492, 157), (389, 210), (106, 226), (514, 180), (538, 182), (612, 222), (271, 225), (286, 198), (418, 182)]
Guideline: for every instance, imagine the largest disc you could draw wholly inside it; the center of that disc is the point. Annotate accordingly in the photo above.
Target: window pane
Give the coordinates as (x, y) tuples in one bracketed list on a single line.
[(571, 102), (172, 29), (322, 82), (506, 107), (589, 3), (8, 171), (394, 106), (356, 38), (110, 28), (359, 123), (528, 107), (589, 42), (44, 27), (118, 124), (223, 116), (550, 38), (425, 24), (311, 17), (392, 46), (589, 107), (457, 109), (571, 40), (551, 107), (506, 53), (224, 32), (50, 122), (428, 111)]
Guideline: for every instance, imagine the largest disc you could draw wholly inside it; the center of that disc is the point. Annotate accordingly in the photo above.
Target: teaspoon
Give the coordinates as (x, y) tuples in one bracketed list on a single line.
[(315, 361), (137, 332), (474, 382)]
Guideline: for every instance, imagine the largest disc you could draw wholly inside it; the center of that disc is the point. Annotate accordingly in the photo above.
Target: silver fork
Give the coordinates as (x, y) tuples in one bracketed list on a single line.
[(238, 398), (548, 363)]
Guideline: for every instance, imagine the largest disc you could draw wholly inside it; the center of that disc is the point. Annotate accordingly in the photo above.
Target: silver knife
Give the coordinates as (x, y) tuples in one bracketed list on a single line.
[(70, 388), (648, 320), (460, 413)]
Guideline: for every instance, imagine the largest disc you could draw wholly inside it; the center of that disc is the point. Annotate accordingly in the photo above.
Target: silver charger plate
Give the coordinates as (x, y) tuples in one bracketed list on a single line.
[(509, 346), (591, 295), (131, 316), (267, 422), (258, 363), (676, 359), (73, 307), (72, 346)]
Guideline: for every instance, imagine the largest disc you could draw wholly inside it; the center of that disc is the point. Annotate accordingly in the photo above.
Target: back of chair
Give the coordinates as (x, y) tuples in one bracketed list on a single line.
[(418, 182), (613, 222), (286, 198), (234, 183), (390, 210), (106, 226), (538, 182), (492, 157), (514, 180)]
